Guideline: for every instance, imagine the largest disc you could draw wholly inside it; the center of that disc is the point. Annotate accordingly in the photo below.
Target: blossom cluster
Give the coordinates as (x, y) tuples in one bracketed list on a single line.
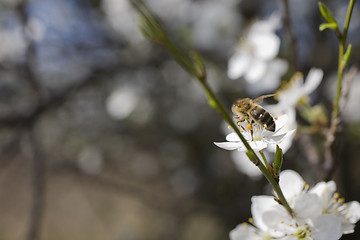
[(318, 213)]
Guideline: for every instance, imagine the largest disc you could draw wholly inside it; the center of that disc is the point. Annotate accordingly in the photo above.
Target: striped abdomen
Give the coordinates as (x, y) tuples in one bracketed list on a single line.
[(263, 117)]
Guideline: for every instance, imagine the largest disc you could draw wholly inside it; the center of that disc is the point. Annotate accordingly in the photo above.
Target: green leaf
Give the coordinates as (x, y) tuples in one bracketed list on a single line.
[(326, 13), (332, 26), (347, 54), (278, 161)]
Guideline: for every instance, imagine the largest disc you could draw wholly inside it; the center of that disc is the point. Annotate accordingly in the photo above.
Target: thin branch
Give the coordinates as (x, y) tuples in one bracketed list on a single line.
[(331, 145), (39, 187), (25, 68), (291, 36), (30, 116)]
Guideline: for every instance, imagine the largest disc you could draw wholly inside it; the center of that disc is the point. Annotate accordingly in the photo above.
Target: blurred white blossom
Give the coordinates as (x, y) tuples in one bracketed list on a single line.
[(13, 44), (122, 102), (293, 91), (217, 26), (254, 57)]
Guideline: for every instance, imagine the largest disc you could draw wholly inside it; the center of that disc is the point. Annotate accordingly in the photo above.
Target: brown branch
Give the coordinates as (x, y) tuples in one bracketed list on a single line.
[(25, 68), (38, 186), (291, 36)]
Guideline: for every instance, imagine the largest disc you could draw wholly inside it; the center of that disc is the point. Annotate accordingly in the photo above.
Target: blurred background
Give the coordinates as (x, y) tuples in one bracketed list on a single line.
[(104, 136)]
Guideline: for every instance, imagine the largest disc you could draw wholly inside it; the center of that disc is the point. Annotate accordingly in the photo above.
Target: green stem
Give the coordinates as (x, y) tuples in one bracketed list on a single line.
[(341, 64), (264, 158)]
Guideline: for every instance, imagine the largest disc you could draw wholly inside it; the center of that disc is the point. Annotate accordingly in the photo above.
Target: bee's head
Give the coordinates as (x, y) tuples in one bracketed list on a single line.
[(241, 105)]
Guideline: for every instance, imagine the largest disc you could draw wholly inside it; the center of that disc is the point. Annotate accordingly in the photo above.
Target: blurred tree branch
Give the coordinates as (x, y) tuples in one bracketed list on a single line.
[(39, 186), (291, 37)]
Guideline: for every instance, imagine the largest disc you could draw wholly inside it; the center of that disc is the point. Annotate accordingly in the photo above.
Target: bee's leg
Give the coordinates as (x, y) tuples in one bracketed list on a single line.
[(238, 119)]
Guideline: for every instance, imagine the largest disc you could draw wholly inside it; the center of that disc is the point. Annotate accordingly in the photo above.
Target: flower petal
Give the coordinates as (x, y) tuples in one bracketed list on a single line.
[(244, 232), (307, 205), (279, 220), (281, 121), (255, 71), (229, 145), (291, 184), (313, 80), (257, 145), (353, 214), (244, 165), (238, 64), (326, 227), (266, 44), (259, 205), (232, 137)]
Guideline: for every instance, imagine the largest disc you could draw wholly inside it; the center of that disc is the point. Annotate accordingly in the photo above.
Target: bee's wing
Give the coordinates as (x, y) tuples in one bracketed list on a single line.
[(261, 98)]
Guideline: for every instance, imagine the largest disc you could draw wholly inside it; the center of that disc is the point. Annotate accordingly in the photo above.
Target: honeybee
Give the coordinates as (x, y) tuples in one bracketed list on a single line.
[(250, 110)]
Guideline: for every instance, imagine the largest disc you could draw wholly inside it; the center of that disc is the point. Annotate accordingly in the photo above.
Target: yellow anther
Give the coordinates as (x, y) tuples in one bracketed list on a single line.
[(282, 222), (306, 186), (276, 118), (229, 127), (244, 224), (341, 200), (238, 123), (256, 130), (251, 220), (265, 126), (249, 127), (336, 195), (290, 225)]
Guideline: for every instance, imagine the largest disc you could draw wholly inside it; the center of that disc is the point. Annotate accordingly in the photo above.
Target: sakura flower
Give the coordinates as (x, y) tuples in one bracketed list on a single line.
[(292, 92), (349, 213), (254, 57), (320, 227), (256, 135), (293, 186)]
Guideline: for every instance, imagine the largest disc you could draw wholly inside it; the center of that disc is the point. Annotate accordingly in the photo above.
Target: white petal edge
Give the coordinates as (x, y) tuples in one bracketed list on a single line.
[(229, 145), (313, 80), (291, 184)]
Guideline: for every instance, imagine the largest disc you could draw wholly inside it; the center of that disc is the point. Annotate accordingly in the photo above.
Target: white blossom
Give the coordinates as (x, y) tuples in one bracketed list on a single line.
[(319, 213), (256, 135), (297, 88), (254, 57)]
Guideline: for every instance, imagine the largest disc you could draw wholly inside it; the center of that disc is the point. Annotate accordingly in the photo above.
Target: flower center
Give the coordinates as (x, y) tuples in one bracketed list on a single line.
[(303, 233)]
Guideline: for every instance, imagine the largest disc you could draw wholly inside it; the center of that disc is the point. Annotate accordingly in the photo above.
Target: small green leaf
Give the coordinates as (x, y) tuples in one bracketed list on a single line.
[(278, 161), (326, 13), (332, 26), (347, 54)]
